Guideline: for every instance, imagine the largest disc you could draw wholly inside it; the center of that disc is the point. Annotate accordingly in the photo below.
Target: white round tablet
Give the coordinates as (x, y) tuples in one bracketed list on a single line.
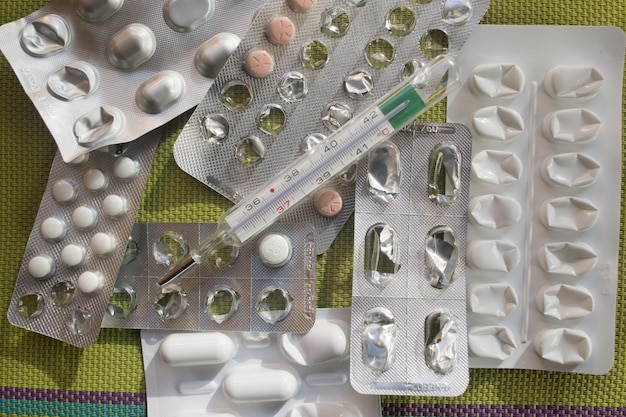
[(275, 250), (64, 191), (41, 267), (102, 244), (95, 180), (114, 206), (84, 218), (125, 168), (73, 255), (90, 282), (53, 229)]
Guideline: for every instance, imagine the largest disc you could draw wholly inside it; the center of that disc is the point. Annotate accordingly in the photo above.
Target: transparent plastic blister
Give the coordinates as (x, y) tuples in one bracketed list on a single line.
[(107, 72), (78, 241), (234, 142), (236, 374), (408, 332), (267, 285), (545, 195)]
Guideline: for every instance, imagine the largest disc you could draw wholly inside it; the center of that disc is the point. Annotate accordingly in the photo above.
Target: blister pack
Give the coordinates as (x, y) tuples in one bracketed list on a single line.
[(108, 71), (544, 104), (214, 374), (302, 71), (78, 241), (267, 285), (408, 332)]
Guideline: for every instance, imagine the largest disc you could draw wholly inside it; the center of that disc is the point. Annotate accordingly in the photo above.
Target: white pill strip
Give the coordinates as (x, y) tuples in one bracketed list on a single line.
[(544, 218)]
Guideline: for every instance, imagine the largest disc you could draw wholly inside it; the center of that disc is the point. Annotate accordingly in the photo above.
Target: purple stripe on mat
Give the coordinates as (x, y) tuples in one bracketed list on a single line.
[(73, 396), (499, 410)]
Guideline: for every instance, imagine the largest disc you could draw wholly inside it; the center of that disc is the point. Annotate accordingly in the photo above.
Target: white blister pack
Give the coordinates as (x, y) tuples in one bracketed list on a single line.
[(303, 70), (211, 374), (107, 72), (408, 334), (544, 104), (78, 241), (267, 285)]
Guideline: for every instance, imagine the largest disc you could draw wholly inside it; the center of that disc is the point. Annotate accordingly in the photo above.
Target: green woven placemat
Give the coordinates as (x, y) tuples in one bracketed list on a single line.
[(41, 376)]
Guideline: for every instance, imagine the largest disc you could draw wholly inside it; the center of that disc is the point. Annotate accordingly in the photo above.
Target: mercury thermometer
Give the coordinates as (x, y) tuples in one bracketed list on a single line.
[(298, 181)]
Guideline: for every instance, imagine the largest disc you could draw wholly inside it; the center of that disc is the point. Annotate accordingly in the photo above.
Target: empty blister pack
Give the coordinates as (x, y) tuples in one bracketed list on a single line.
[(79, 239), (274, 100), (107, 72), (267, 285), (214, 374), (545, 195), (408, 332)]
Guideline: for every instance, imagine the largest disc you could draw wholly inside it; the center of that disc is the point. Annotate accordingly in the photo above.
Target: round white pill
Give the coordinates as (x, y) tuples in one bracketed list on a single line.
[(90, 282), (64, 191), (102, 244), (79, 160), (84, 218), (275, 250), (53, 229), (73, 255), (114, 206), (95, 180), (41, 267), (125, 168)]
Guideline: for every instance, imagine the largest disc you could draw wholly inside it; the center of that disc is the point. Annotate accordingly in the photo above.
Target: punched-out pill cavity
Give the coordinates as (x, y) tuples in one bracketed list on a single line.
[(301, 5), (73, 255), (103, 244), (114, 206), (95, 180), (90, 282), (275, 250), (328, 203), (84, 218), (258, 63), (53, 229), (280, 30), (41, 267), (64, 191)]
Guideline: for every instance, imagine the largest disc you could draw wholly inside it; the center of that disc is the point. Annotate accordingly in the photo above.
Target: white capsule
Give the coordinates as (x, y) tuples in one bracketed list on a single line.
[(73, 255), (64, 191), (41, 267), (103, 244), (261, 384), (114, 206), (53, 229), (125, 168), (193, 349), (275, 250), (90, 282)]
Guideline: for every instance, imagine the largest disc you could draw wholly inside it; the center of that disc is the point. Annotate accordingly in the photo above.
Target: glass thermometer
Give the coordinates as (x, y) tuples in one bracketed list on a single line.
[(295, 183)]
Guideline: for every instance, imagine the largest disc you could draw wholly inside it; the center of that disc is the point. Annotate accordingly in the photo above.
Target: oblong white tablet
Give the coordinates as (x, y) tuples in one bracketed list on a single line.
[(261, 384), (193, 349)]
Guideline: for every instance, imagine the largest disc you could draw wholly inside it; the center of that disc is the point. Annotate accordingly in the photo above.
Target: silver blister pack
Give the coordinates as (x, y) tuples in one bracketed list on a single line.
[(545, 195), (267, 285), (342, 57), (408, 331), (78, 241), (107, 72)]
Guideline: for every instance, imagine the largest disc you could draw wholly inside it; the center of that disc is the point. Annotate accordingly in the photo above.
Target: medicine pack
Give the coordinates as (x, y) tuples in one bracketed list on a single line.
[(108, 71), (302, 71), (408, 331), (79, 240), (268, 285), (544, 104), (214, 374)]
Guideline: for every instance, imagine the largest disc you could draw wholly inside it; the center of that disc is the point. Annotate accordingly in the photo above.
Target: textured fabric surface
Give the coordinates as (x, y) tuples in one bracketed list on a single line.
[(41, 376)]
